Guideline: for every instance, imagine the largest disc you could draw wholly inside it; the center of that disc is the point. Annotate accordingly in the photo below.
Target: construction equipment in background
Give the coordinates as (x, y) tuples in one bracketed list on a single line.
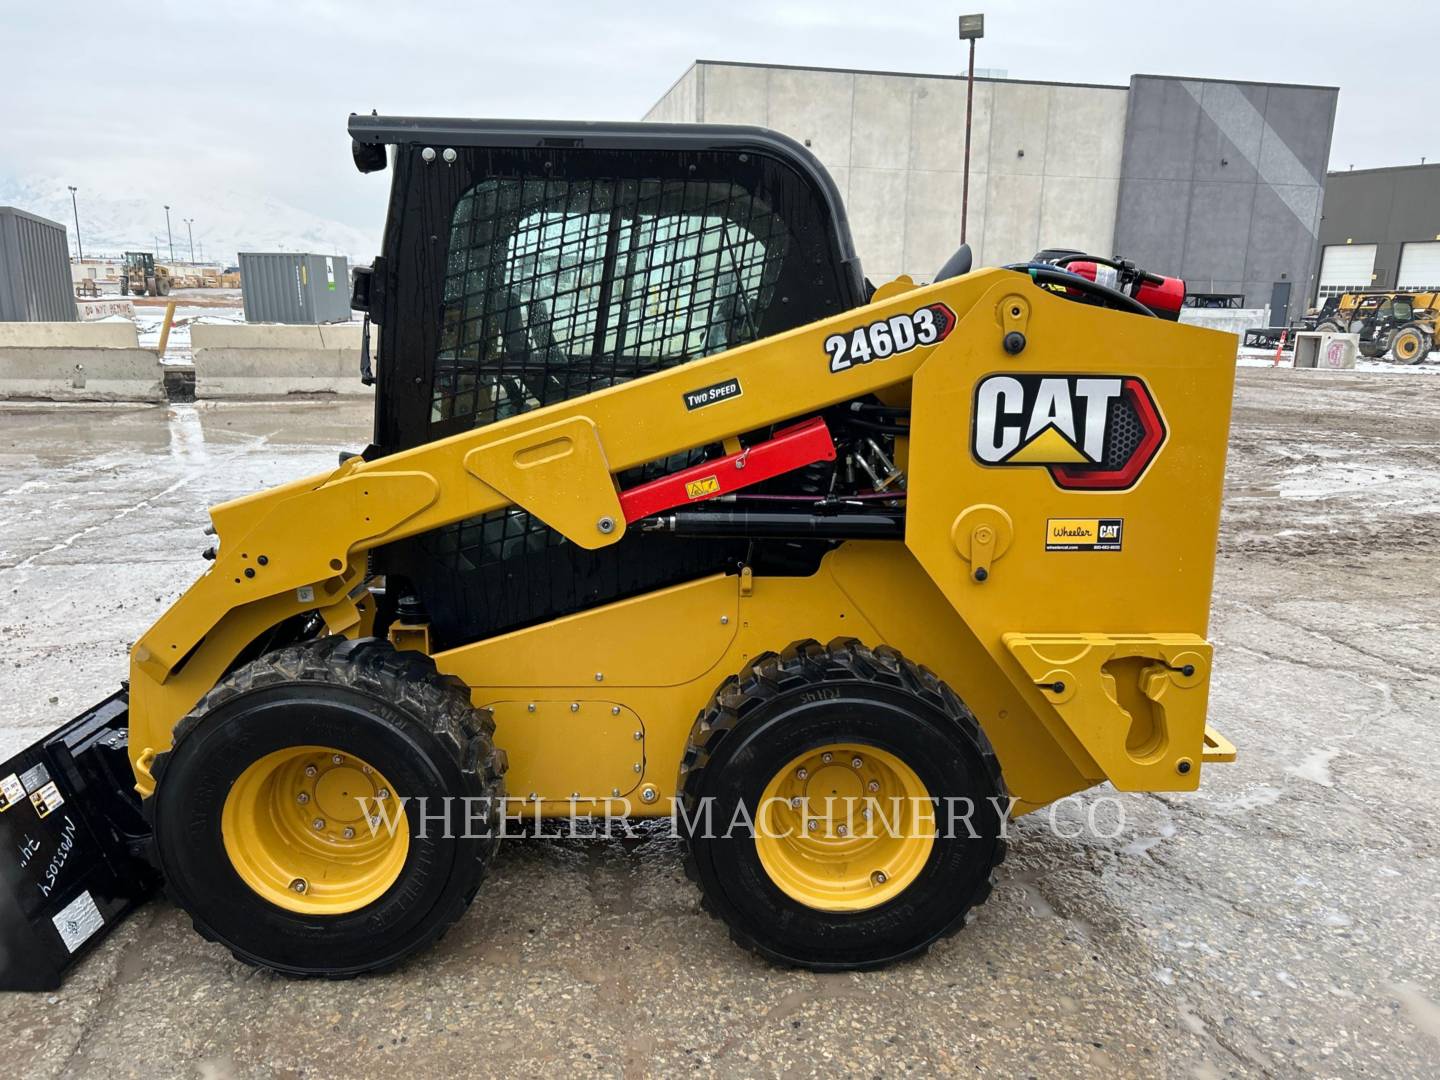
[(141, 277), (1402, 324), (667, 512)]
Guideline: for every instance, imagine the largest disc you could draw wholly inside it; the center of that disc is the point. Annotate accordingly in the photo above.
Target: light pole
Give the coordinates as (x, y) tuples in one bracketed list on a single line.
[(190, 221), (168, 236), (79, 251), (972, 28)]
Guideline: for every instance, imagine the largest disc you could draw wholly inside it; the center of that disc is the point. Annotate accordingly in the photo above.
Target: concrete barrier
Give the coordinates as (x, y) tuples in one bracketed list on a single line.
[(270, 360), (77, 361), (1232, 320)]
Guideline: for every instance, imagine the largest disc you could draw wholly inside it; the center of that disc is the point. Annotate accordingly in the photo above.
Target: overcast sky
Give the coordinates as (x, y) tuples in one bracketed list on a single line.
[(177, 98)]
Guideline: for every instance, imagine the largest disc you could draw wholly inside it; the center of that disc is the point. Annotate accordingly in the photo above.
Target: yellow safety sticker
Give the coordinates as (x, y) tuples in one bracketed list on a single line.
[(11, 791), (706, 485), (47, 799)]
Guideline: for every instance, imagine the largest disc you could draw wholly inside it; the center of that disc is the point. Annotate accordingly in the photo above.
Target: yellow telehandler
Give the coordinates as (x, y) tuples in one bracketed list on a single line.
[(668, 513)]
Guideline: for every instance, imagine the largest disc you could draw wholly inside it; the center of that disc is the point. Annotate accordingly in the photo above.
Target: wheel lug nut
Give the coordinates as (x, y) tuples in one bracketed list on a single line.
[(841, 830), (873, 786), (302, 798), (336, 758), (878, 878), (365, 769), (319, 823), (310, 770), (349, 833), (812, 824), (796, 802), (802, 773), (855, 763), (299, 884), (383, 793), (827, 757)]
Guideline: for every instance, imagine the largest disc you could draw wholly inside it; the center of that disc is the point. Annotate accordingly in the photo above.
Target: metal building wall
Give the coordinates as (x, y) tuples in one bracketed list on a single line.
[(1222, 183), (290, 287), (35, 283), (1385, 207)]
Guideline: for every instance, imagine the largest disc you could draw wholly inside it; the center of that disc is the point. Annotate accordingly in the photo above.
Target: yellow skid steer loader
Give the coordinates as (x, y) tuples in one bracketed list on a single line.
[(668, 513)]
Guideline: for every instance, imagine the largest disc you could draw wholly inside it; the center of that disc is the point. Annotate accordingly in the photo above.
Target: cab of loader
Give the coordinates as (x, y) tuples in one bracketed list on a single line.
[(525, 263)]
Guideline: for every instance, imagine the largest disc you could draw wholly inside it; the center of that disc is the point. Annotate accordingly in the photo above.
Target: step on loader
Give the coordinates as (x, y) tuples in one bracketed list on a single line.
[(668, 513)]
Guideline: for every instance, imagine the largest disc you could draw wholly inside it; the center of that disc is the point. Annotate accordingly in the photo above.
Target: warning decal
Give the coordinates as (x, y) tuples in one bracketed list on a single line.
[(47, 799)]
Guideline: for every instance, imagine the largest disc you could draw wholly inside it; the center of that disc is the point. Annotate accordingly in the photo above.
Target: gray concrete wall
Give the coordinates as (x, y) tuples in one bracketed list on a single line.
[(1231, 320), (77, 361), (1384, 207), (1044, 162), (270, 360), (1222, 183)]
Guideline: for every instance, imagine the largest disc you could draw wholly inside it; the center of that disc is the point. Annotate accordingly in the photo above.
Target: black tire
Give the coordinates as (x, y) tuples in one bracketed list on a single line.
[(767, 715), (124, 286), (1374, 350), (162, 285), (1327, 328), (365, 698), (1410, 344)]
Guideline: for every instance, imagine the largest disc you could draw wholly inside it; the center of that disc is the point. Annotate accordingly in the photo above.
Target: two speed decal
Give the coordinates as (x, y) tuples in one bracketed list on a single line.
[(889, 337)]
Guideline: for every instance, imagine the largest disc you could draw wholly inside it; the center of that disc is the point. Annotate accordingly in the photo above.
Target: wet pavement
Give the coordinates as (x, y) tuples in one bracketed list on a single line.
[(1282, 921)]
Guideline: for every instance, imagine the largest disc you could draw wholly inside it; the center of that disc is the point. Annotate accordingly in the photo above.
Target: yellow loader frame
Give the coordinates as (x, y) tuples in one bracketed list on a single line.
[(1081, 667)]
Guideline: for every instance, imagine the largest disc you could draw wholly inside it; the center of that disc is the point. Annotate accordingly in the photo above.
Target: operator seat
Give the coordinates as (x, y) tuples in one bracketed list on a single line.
[(957, 264)]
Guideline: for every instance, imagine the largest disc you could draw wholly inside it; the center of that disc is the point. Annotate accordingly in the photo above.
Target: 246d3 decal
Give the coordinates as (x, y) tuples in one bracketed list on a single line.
[(889, 337), (1093, 433)]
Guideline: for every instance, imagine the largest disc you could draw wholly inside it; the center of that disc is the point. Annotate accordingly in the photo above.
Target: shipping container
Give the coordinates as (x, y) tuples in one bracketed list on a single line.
[(294, 288), (35, 283)]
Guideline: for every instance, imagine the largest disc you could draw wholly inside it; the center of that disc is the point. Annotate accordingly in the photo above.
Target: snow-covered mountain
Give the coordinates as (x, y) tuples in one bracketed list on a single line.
[(226, 222)]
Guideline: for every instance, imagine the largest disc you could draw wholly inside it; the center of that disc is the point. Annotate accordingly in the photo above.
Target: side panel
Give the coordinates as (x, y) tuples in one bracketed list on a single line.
[(578, 671), (1056, 556)]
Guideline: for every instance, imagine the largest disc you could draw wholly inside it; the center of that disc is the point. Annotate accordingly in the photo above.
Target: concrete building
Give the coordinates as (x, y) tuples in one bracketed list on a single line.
[(1380, 228), (1219, 182)]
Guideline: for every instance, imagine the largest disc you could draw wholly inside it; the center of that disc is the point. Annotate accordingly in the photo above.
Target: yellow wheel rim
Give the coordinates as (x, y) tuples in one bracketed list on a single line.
[(1407, 347), (314, 830), (844, 827)]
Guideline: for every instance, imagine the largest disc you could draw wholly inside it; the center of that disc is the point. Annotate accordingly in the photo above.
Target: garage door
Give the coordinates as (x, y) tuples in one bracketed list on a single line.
[(1420, 266), (1346, 266)]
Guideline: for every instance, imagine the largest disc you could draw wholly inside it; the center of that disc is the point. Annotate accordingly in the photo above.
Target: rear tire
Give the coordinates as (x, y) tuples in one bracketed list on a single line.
[(364, 702), (875, 704)]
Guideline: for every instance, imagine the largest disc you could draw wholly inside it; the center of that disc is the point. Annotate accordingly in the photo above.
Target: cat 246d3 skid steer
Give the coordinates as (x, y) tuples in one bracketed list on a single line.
[(668, 512)]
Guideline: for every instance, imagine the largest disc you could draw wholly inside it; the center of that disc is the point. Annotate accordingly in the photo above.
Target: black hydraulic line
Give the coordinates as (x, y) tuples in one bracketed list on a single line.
[(876, 425), (779, 525), (1053, 275)]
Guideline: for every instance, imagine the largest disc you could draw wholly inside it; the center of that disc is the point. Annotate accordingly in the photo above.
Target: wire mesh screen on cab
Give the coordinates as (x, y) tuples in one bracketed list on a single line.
[(557, 288)]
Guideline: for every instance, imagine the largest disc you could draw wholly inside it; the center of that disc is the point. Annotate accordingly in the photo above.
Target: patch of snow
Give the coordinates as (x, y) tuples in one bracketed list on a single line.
[(1315, 767)]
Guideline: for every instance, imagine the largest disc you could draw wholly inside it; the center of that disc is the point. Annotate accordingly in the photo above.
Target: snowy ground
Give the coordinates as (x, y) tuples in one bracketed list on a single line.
[(1265, 358)]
